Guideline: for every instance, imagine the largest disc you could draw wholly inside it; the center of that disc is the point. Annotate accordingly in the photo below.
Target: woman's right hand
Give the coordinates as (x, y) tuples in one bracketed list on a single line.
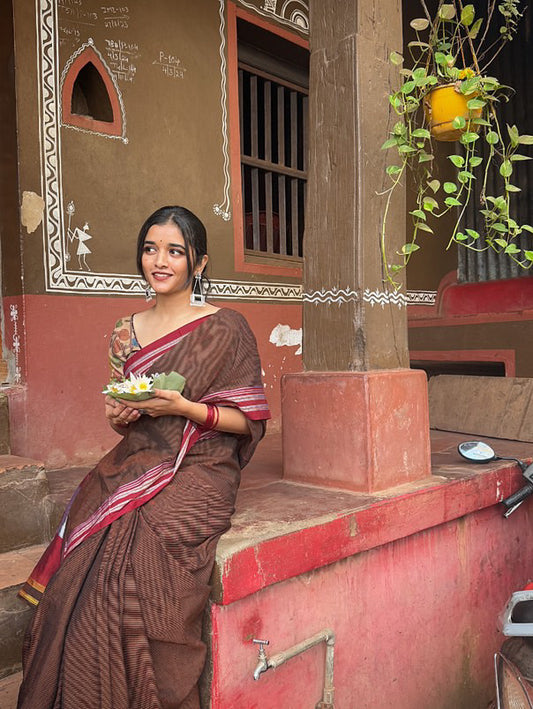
[(118, 414)]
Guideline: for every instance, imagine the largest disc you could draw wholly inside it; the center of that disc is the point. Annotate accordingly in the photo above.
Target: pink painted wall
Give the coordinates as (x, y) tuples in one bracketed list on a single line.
[(415, 622), (56, 415)]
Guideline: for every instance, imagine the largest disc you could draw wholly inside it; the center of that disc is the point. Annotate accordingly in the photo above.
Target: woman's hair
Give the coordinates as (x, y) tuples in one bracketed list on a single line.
[(191, 227)]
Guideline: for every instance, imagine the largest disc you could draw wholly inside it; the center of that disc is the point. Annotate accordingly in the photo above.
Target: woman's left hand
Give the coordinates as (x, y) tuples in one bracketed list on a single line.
[(165, 402)]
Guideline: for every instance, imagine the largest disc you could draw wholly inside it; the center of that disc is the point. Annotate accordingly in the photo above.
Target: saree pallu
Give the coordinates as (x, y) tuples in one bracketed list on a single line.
[(123, 586)]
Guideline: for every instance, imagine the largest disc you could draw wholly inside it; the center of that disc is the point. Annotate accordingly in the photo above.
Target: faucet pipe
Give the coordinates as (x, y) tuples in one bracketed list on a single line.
[(328, 636)]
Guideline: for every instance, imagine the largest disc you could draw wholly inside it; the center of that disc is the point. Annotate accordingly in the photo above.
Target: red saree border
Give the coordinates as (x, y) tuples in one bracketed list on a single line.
[(142, 359)]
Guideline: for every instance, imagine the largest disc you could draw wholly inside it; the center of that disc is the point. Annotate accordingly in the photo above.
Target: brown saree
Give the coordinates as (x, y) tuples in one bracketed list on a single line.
[(119, 621)]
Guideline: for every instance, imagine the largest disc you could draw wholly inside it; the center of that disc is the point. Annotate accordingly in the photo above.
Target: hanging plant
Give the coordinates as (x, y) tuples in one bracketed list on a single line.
[(451, 56)]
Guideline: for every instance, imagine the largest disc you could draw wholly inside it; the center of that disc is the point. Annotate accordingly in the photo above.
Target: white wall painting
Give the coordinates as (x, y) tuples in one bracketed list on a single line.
[(81, 236), (14, 317), (294, 13)]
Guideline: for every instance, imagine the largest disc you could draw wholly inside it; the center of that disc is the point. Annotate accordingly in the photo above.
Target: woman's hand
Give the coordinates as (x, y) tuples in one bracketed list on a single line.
[(165, 402), (120, 413)]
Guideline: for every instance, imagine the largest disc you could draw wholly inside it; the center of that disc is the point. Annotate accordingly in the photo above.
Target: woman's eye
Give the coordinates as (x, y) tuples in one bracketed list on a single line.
[(148, 249), (176, 252)]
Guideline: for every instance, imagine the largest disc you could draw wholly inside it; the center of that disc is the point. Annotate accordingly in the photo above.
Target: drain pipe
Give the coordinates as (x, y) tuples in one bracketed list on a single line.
[(328, 636)]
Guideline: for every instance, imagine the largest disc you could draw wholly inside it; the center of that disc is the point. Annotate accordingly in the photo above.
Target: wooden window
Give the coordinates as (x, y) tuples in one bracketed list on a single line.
[(273, 107)]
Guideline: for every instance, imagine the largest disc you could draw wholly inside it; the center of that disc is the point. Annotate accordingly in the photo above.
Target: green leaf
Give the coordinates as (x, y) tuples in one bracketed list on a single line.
[(419, 24), (480, 122), (406, 149), (517, 156), (425, 157), (513, 135), (473, 233), (460, 236), (475, 28), (419, 74), (390, 143), (447, 12), (457, 160), (492, 137), (529, 255), (475, 103), (421, 133), (408, 249), (525, 140), (450, 187), (526, 227), (429, 204), (408, 87), (419, 214), (441, 59), (506, 168), (393, 170), (452, 202), (475, 161), (459, 122), (399, 128), (501, 242), (418, 45), (464, 176), (396, 58), (434, 185), (467, 15), (469, 137), (512, 249), (424, 227), (499, 227), (512, 188)]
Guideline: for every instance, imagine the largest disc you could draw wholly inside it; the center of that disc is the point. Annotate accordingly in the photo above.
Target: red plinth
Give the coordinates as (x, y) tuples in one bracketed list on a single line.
[(362, 431)]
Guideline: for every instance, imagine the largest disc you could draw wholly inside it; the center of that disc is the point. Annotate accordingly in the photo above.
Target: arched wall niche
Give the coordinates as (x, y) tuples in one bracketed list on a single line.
[(90, 99)]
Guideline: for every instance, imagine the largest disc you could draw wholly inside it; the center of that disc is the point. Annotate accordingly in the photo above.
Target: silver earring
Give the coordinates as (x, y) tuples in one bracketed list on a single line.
[(197, 293), (148, 294)]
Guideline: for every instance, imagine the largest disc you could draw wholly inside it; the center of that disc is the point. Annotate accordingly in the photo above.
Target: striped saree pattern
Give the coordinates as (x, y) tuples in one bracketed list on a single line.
[(122, 587)]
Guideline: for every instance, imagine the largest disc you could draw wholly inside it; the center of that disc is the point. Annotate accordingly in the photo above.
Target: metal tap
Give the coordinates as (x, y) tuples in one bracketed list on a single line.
[(262, 665)]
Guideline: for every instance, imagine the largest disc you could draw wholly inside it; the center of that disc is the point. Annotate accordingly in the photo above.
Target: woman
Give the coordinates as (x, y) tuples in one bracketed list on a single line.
[(126, 578)]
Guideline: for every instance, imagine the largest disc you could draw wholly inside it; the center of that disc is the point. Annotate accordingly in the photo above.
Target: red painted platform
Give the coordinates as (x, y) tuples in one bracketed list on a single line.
[(282, 529)]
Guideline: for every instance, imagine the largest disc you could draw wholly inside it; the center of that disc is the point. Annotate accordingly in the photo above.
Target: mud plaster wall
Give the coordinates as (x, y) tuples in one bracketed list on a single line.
[(165, 60)]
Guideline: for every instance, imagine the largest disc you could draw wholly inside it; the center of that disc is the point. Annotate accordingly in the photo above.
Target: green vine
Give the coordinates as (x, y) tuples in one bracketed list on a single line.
[(451, 48)]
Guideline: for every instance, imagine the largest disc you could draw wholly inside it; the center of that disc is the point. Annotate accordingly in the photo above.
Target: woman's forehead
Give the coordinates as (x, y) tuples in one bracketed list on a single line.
[(165, 233)]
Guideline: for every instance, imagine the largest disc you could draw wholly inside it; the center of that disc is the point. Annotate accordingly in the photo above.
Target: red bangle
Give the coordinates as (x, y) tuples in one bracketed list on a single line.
[(211, 420)]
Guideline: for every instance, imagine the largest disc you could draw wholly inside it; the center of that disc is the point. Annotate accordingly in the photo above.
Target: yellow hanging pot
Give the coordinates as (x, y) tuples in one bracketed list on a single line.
[(442, 105)]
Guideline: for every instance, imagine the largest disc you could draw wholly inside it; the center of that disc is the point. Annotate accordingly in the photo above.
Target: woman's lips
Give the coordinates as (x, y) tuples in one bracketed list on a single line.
[(159, 276)]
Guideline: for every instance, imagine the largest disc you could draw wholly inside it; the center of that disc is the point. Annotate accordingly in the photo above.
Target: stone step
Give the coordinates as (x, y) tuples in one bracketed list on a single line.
[(33, 502), (15, 614), (9, 688), (23, 489)]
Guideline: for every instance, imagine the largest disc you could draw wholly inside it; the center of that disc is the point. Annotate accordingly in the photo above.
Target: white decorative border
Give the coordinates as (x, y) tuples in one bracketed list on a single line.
[(297, 18), (422, 297), (90, 43), (14, 316), (223, 209)]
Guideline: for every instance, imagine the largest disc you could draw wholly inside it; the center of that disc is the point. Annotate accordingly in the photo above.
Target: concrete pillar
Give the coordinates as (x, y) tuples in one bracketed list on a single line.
[(357, 417)]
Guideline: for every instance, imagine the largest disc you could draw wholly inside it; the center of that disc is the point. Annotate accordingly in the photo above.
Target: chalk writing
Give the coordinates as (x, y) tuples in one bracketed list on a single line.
[(115, 17), (69, 34), (120, 55), (72, 11), (171, 66)]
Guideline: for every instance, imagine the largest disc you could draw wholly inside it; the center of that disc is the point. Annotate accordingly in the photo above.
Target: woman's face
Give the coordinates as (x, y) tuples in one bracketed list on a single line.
[(164, 260)]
